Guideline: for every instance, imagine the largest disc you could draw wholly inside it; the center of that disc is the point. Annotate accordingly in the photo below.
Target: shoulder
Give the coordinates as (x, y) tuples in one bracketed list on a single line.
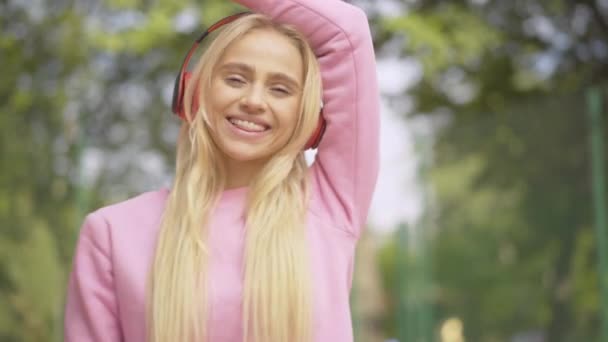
[(139, 207), (141, 212)]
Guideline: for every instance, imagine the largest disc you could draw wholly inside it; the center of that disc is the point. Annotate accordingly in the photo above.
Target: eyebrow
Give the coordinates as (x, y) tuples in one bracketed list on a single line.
[(248, 69)]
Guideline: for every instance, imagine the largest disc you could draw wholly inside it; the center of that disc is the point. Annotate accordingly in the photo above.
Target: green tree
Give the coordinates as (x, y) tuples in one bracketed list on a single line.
[(512, 250), (40, 52)]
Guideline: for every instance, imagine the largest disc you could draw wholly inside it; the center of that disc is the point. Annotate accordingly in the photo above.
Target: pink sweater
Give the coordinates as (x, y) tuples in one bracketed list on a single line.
[(105, 299)]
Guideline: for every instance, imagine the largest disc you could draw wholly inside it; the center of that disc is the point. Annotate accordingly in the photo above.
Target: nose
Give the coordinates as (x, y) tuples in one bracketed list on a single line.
[(253, 101)]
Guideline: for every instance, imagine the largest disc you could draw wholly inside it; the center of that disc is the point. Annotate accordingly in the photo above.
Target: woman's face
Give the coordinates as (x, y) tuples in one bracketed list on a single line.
[(255, 96)]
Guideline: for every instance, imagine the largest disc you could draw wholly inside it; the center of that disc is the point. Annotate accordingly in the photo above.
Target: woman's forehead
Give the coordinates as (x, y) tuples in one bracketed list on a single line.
[(264, 51)]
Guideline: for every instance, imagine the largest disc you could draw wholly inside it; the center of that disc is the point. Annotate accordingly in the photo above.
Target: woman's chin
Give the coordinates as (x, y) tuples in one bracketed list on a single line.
[(243, 153)]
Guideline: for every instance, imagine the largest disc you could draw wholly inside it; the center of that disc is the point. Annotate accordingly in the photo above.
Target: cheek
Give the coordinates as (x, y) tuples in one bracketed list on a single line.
[(289, 118), (214, 107), (218, 98), (216, 95)]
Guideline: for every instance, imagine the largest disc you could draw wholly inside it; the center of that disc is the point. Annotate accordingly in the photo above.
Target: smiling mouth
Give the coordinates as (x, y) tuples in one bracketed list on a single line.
[(248, 126)]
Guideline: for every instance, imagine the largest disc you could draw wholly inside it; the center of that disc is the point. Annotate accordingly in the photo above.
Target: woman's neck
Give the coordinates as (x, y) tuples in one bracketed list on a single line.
[(240, 173)]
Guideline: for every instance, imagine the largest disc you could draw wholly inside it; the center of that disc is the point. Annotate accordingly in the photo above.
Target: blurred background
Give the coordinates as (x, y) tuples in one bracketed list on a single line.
[(489, 221)]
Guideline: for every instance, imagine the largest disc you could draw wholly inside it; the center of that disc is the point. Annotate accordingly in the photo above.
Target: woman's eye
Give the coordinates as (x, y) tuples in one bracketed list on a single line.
[(280, 90), (234, 81)]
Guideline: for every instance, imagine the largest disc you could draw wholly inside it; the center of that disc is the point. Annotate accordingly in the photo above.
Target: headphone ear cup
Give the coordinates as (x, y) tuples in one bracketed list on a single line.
[(184, 80), (176, 103), (317, 135)]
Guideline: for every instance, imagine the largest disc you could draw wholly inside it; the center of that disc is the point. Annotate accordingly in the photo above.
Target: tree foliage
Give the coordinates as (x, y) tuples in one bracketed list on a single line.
[(513, 250)]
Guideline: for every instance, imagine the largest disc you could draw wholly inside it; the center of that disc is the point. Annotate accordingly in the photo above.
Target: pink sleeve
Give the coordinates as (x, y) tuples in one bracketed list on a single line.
[(346, 168), (91, 308)]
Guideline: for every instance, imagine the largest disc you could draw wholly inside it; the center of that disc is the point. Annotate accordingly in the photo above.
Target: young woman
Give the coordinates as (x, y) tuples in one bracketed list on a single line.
[(250, 244)]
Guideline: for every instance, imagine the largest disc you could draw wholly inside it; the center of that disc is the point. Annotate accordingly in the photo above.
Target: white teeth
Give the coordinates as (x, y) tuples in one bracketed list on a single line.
[(248, 125)]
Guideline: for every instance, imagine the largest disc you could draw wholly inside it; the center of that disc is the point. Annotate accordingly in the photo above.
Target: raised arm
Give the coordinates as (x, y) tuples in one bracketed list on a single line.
[(346, 168), (91, 308)]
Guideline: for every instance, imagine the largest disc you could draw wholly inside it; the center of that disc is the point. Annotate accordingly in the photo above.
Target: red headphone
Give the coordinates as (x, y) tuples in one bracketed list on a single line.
[(182, 80)]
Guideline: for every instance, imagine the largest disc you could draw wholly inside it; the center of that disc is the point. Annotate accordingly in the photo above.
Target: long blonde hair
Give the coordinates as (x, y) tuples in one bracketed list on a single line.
[(277, 292)]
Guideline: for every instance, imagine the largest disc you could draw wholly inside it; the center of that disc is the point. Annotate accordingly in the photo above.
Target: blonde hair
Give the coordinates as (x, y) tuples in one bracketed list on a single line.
[(277, 292)]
